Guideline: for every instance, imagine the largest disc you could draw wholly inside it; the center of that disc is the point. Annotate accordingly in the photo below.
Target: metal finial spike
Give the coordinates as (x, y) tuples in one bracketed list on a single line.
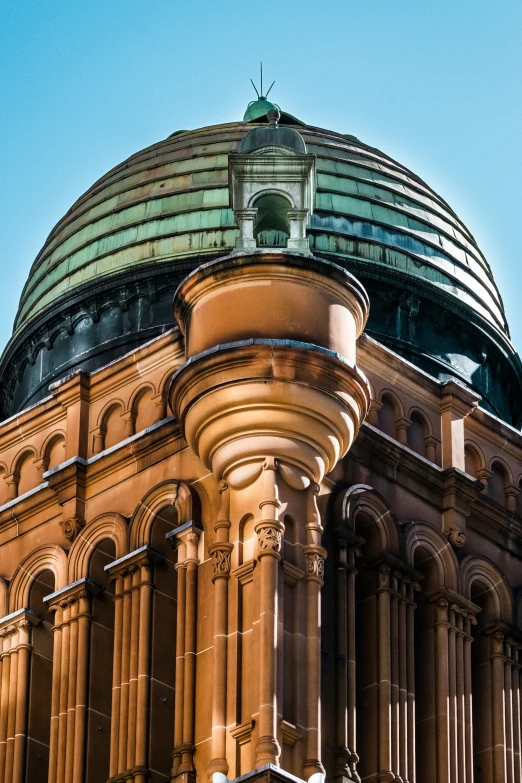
[(255, 88), (261, 67), (266, 96)]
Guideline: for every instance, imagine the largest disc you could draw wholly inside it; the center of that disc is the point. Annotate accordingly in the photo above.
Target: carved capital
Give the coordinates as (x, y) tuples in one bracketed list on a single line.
[(220, 554), (314, 565), (269, 541)]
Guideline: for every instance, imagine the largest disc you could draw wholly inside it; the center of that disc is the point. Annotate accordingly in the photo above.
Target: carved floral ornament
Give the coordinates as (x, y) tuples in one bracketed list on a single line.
[(220, 561), (314, 564), (269, 540)]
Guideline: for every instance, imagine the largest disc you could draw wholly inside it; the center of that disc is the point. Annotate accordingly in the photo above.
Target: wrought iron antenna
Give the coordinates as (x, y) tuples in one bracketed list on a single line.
[(260, 95)]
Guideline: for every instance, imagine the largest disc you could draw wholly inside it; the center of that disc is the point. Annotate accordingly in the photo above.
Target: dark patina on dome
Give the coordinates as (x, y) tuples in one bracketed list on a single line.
[(104, 280)]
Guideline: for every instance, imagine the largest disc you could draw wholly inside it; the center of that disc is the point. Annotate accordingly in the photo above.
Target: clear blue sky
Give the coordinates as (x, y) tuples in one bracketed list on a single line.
[(437, 85)]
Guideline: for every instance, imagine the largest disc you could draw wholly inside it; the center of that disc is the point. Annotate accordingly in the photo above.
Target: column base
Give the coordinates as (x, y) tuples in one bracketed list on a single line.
[(268, 773)]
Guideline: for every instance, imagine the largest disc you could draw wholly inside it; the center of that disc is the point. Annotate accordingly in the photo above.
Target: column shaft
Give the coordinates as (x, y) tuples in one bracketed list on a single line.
[(71, 692), (143, 691), (80, 726), (22, 702), (116, 675), (220, 552), (54, 746), (384, 673), (180, 668), (135, 642)]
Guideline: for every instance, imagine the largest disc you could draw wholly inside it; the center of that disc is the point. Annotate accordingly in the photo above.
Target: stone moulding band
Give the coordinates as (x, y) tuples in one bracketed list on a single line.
[(275, 343)]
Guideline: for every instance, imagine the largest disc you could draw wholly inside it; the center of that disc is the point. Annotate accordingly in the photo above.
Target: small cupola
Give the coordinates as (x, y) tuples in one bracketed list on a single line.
[(272, 186)]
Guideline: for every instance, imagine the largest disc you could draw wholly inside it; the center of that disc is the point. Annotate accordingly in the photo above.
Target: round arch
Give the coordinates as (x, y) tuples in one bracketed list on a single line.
[(168, 493), (52, 558), (420, 535), (480, 569), (363, 499), (112, 526)]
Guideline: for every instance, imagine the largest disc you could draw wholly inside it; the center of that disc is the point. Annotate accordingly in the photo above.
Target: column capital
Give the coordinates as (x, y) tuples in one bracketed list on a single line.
[(314, 558), (269, 539), (220, 553), (456, 602), (13, 622), (145, 555), (185, 538), (82, 588)]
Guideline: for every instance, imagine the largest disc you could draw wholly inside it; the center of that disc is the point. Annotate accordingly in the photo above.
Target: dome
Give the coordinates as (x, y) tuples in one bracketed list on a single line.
[(104, 280)]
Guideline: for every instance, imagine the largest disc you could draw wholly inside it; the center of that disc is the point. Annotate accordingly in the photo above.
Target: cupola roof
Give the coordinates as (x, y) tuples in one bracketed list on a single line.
[(108, 269)]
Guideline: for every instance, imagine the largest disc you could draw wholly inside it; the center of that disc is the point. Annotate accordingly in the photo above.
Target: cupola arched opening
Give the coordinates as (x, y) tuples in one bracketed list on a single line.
[(272, 227)]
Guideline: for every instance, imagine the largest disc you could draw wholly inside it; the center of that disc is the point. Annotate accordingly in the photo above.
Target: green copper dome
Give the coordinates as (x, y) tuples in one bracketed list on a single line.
[(158, 214)]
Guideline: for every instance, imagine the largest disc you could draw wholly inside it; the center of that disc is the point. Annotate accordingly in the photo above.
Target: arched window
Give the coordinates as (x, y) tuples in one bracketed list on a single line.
[(40, 682), (417, 433), (425, 668), (387, 417), (55, 453), (272, 227), (482, 685), (472, 461), (29, 476), (163, 655), (145, 410), (114, 426), (100, 665), (497, 483), (366, 633)]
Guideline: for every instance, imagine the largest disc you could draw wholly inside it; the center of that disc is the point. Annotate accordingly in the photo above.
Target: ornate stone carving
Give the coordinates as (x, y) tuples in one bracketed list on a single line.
[(269, 540), (220, 562), (71, 527), (456, 537), (314, 564)]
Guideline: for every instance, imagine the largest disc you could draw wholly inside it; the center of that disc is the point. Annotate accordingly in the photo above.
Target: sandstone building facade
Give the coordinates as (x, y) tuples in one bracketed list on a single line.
[(260, 472)]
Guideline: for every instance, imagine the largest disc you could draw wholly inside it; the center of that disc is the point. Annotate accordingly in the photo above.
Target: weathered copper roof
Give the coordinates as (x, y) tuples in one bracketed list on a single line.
[(106, 274), (171, 200)]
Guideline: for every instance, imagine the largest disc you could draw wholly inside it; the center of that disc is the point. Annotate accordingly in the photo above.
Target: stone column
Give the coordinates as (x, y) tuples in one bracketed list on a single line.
[(134, 586), (500, 721), (186, 538), (15, 657), (269, 530), (314, 575), (346, 757), (451, 621), (220, 552), (387, 675), (71, 607)]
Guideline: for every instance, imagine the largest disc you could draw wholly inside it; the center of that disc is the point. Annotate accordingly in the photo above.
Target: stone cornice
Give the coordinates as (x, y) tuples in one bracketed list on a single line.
[(145, 555), (72, 591), (451, 597)]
